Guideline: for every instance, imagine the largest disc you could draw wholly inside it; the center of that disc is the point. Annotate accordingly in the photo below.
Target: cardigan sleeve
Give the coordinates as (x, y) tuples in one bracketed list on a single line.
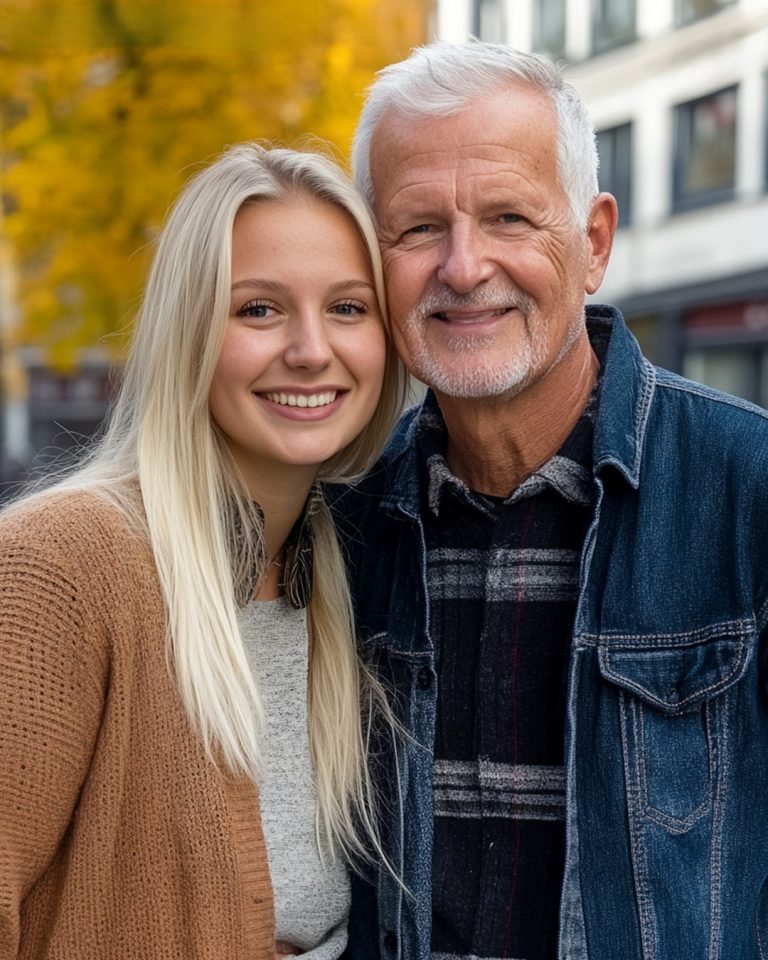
[(53, 675)]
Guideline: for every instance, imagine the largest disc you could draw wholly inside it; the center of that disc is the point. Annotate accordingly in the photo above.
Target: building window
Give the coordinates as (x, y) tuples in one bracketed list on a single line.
[(726, 347), (614, 147), (686, 11), (741, 371), (733, 370), (549, 28), (488, 21), (613, 24), (765, 126), (705, 150)]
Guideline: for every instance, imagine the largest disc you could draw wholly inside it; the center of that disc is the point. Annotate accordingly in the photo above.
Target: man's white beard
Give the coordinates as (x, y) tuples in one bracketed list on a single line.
[(489, 376), (482, 379)]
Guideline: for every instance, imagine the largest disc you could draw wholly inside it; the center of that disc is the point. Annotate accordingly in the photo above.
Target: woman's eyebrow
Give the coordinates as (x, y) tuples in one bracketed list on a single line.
[(340, 286), (256, 282)]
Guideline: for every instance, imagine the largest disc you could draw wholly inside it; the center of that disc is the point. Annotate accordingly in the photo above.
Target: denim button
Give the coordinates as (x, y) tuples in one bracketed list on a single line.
[(673, 695), (390, 941), (424, 678)]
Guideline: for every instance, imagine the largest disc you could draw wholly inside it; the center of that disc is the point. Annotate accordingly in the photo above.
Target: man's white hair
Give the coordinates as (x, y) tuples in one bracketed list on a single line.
[(441, 79)]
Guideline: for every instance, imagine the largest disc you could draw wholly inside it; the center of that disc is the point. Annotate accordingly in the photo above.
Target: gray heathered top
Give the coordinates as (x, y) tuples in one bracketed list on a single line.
[(311, 899)]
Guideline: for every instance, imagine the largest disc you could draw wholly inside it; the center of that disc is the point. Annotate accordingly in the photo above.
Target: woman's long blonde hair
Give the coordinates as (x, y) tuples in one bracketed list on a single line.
[(164, 463)]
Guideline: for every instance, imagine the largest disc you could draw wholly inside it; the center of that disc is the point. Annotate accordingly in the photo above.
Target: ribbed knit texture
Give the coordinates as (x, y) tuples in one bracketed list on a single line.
[(311, 894), (118, 838)]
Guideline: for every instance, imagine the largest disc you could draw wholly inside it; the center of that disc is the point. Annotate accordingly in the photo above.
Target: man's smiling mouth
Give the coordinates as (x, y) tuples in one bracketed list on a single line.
[(473, 316)]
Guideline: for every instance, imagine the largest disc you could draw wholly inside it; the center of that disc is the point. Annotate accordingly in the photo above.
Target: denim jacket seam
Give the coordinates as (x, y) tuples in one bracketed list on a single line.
[(718, 819), (693, 637), (643, 414), (646, 914), (414, 656), (762, 616), (720, 683), (708, 393), (760, 943), (675, 825)]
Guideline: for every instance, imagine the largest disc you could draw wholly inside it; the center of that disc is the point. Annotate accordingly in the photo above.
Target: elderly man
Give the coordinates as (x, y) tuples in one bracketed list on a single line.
[(559, 565)]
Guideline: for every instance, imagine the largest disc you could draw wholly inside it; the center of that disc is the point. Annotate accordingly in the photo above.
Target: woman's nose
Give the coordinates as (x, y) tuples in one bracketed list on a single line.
[(309, 347)]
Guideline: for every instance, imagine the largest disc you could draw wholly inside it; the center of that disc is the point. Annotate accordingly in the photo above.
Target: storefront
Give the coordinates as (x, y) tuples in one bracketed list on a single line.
[(715, 332)]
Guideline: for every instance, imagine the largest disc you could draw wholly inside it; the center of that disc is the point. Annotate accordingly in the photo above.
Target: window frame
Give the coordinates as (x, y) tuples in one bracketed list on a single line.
[(683, 20), (601, 42), (556, 51), (624, 197), (477, 20), (683, 147)]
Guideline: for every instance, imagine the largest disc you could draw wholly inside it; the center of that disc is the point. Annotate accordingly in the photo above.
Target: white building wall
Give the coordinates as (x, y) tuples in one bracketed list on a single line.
[(454, 21), (642, 83)]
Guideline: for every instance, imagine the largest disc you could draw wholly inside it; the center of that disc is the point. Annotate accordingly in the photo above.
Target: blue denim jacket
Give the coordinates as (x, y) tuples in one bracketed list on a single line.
[(667, 713)]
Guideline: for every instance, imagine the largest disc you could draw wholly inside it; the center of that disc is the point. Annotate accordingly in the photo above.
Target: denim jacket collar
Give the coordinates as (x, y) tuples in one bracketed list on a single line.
[(629, 382), (403, 495)]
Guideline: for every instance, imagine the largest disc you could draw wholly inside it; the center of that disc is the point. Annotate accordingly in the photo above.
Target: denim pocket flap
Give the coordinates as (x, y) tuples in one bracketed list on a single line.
[(676, 673)]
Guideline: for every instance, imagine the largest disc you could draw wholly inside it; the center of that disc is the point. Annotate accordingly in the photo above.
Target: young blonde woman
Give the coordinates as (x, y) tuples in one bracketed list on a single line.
[(182, 714)]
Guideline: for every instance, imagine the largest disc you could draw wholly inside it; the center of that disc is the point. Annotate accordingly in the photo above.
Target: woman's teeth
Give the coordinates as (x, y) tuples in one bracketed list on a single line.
[(302, 399)]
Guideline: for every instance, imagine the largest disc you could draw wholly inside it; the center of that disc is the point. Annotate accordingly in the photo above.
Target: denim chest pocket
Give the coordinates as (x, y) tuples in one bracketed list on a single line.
[(673, 693)]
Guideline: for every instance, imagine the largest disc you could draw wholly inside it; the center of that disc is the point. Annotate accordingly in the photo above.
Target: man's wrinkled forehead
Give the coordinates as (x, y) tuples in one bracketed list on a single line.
[(484, 128)]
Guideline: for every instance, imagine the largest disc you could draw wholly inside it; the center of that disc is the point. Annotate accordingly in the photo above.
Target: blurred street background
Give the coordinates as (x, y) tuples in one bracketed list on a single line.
[(107, 106)]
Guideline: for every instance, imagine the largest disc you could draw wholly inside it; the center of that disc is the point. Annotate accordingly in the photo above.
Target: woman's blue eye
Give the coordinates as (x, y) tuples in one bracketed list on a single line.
[(350, 308), (255, 309)]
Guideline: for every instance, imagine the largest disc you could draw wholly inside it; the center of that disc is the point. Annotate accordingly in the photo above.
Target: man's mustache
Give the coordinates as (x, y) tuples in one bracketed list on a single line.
[(491, 297)]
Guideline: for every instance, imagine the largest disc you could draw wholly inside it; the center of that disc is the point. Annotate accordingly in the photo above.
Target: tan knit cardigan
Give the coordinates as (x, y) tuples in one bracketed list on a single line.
[(118, 838)]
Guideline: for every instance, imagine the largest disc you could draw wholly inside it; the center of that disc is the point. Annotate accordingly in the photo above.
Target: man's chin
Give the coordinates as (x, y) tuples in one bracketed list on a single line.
[(476, 384)]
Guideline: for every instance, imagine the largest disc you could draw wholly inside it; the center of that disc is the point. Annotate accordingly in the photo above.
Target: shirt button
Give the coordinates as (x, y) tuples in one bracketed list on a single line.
[(390, 941), (424, 678), (673, 695)]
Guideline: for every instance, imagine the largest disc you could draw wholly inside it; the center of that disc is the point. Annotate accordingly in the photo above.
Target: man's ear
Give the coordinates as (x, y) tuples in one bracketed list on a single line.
[(603, 218)]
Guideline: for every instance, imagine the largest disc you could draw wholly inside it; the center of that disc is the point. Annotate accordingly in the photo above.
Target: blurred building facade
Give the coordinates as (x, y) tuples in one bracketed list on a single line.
[(678, 91)]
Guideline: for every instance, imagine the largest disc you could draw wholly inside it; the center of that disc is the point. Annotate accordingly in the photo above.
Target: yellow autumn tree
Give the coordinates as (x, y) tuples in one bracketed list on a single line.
[(108, 105)]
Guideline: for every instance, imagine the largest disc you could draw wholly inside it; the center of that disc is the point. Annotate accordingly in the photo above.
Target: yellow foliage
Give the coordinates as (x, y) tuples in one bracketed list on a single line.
[(108, 105)]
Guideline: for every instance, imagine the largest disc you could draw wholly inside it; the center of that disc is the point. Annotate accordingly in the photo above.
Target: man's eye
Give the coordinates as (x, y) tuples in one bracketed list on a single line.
[(511, 218), (419, 228)]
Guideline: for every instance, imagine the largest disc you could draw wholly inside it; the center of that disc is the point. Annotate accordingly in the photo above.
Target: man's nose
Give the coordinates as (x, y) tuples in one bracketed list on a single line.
[(465, 260), (308, 347)]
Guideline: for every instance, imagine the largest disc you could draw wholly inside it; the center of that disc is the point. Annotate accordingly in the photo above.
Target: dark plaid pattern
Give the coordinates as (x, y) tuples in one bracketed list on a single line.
[(503, 579)]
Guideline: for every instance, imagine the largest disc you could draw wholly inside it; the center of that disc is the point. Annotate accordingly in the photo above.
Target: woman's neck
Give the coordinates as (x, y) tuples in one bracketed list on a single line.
[(282, 502)]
